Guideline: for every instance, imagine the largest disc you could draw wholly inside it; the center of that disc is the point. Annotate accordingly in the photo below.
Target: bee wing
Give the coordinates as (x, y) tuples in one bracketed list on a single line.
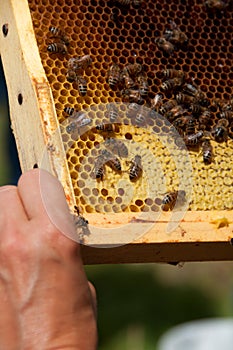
[(77, 120), (78, 116)]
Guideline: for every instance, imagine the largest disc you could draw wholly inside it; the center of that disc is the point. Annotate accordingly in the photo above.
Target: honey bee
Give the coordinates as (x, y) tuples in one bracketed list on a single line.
[(152, 114), (175, 35), (180, 123), (114, 75), (112, 112), (111, 160), (72, 127), (137, 3), (128, 81), (135, 169), (106, 127), (156, 102), (133, 108), (228, 114), (194, 139), (79, 119), (124, 2), (115, 17), (171, 198), (79, 116), (190, 125), (220, 131), (140, 118), (71, 75), (186, 122), (57, 48), (132, 96), (194, 91), (195, 108), (79, 62), (143, 84), (216, 4), (174, 113), (132, 69), (117, 147), (185, 99), (204, 119), (59, 33), (82, 85), (173, 73), (81, 224), (171, 84), (99, 167), (224, 105), (105, 158), (207, 151), (167, 106), (69, 110), (165, 45)]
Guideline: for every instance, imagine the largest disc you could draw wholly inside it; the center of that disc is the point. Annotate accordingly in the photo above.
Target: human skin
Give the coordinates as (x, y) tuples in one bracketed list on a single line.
[(46, 301)]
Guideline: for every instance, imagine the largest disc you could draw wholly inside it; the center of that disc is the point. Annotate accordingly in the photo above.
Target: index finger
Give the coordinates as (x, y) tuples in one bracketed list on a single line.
[(10, 203)]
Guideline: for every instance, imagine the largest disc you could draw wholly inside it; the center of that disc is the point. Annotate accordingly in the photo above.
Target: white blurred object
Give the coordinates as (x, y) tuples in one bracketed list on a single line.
[(206, 334)]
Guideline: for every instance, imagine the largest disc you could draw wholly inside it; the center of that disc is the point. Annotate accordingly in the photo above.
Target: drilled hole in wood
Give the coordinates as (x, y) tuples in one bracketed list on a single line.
[(20, 99), (5, 29)]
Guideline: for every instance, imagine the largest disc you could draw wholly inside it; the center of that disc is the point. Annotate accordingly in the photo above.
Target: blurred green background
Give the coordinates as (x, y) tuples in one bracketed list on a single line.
[(138, 303)]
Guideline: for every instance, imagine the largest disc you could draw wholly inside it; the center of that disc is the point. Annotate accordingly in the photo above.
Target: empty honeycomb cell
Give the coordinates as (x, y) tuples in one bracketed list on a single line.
[(64, 92), (228, 90), (118, 200), (101, 201), (104, 192), (98, 208), (116, 208), (73, 160), (107, 208), (148, 201), (95, 192), (81, 184), (65, 138), (74, 175), (89, 208), (110, 200), (154, 208), (138, 203), (85, 152), (62, 99), (145, 208), (86, 191), (87, 168), (134, 208)]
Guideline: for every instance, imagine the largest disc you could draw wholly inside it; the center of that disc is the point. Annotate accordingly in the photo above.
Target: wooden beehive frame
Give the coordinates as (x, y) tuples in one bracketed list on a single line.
[(36, 130)]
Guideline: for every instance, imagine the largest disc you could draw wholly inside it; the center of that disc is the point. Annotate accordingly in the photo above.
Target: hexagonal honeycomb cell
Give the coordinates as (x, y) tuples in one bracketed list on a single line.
[(112, 33)]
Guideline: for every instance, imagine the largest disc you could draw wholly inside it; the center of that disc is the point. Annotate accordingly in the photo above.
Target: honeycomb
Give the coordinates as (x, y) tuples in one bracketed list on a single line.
[(113, 33)]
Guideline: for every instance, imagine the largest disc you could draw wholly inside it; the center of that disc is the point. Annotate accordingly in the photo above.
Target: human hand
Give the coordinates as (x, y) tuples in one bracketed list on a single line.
[(46, 301)]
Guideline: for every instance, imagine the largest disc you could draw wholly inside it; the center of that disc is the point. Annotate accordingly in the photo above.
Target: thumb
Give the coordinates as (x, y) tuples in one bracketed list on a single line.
[(44, 199)]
